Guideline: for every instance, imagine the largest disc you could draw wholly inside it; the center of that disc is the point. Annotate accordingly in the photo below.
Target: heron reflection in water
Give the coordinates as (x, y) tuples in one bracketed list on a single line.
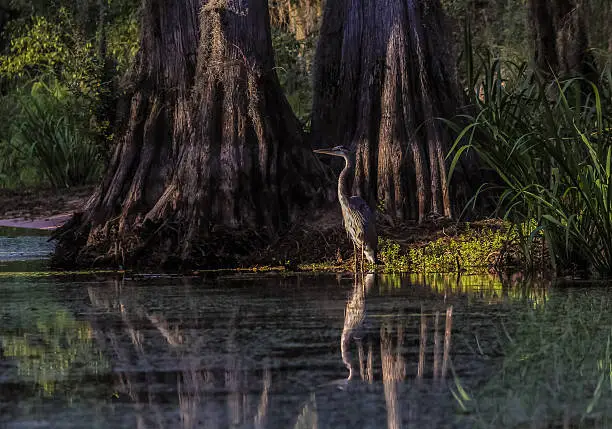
[(354, 327), (359, 220), (392, 332)]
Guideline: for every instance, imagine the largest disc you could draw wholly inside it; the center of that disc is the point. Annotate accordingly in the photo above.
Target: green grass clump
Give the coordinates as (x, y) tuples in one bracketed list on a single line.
[(550, 144), (49, 140), (473, 250)]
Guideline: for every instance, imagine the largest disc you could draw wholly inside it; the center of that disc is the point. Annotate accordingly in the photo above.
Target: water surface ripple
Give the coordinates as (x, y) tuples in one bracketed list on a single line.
[(300, 351)]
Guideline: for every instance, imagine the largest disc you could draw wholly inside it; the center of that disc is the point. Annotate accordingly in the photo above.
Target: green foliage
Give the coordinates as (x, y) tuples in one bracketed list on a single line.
[(55, 49), (551, 145), (52, 130), (471, 249), (499, 25), (294, 62), (390, 253), (123, 41), (54, 134), (502, 26), (39, 46), (49, 140)]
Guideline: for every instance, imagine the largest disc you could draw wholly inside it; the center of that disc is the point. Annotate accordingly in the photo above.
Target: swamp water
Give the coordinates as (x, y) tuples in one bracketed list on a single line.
[(301, 351), (20, 244)]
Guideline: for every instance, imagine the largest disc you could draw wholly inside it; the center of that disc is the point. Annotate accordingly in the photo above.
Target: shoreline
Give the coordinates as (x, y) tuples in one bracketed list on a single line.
[(318, 244), (45, 223)]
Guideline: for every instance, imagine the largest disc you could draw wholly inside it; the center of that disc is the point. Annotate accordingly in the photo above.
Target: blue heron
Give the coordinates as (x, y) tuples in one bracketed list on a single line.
[(359, 221)]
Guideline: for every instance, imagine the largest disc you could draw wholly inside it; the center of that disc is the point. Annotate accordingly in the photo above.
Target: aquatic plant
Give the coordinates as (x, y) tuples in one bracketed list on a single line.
[(550, 145), (394, 259)]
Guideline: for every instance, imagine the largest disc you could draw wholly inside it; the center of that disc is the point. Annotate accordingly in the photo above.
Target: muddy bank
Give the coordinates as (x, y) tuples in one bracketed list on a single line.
[(317, 242), (40, 208)]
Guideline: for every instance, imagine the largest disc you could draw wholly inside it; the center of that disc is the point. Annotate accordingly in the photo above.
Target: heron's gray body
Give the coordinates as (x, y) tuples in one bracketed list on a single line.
[(361, 226), (359, 221)]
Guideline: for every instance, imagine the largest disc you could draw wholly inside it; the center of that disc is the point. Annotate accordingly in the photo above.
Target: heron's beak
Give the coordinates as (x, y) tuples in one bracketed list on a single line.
[(325, 151)]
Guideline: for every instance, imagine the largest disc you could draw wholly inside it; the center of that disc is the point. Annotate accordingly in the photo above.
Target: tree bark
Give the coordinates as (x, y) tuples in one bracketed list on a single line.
[(560, 37), (384, 73), (300, 17), (210, 142)]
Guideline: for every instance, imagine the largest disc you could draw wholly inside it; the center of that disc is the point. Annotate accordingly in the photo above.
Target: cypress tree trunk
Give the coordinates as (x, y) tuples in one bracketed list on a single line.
[(560, 37), (300, 17), (383, 73), (209, 142)]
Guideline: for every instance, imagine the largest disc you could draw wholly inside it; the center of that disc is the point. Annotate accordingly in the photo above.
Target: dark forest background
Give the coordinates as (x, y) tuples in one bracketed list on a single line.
[(62, 62)]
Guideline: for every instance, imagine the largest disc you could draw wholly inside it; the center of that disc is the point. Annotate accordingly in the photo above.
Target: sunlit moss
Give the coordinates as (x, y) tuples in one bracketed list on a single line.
[(322, 266), (472, 250)]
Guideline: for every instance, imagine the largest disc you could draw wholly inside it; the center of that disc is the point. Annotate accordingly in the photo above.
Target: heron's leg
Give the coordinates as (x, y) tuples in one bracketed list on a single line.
[(363, 286), (361, 359), (362, 254), (355, 255)]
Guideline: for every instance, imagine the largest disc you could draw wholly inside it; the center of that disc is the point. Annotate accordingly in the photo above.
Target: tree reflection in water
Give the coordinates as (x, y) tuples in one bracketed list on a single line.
[(221, 382), (393, 353), (147, 350)]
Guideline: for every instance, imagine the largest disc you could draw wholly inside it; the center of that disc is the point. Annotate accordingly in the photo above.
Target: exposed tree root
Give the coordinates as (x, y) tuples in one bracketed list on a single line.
[(319, 240)]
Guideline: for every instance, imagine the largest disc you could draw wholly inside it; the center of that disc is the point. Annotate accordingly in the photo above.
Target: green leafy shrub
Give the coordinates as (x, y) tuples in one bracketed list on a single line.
[(551, 145), (53, 49), (123, 41), (49, 136), (294, 64), (58, 81)]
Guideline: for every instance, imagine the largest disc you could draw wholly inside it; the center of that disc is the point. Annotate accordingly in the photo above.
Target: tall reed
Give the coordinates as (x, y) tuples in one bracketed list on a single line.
[(52, 134), (550, 144)]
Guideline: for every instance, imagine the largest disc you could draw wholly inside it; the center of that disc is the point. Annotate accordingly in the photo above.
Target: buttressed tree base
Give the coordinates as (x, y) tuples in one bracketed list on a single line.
[(208, 144), (384, 75)]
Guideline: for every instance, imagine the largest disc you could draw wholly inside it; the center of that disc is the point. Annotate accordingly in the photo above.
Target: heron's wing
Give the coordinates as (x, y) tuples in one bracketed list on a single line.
[(360, 208), (362, 222), (359, 217)]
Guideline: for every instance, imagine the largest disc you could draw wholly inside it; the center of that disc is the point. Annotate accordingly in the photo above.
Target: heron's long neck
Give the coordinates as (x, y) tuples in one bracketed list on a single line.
[(343, 181)]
